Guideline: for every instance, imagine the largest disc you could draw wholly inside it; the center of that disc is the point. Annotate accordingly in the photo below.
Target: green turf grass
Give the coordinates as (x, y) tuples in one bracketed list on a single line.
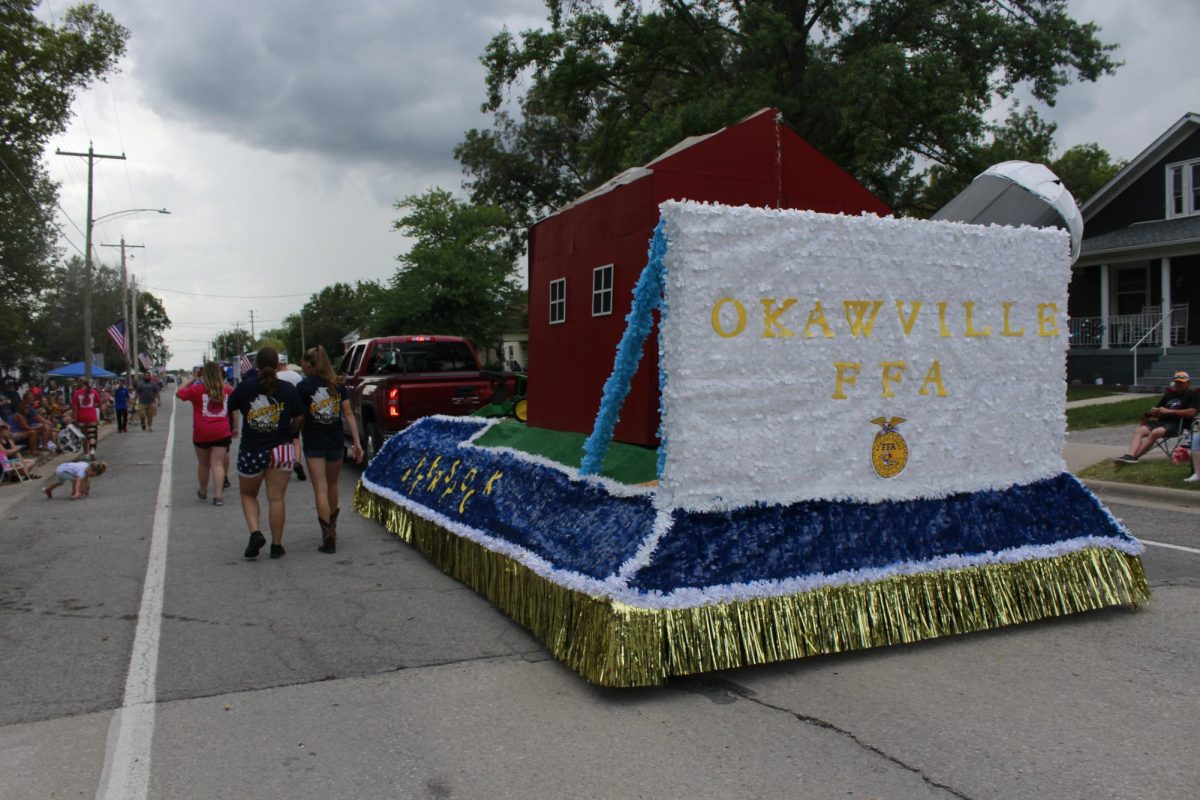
[(625, 463), (1088, 392), (1126, 412), (1149, 471)]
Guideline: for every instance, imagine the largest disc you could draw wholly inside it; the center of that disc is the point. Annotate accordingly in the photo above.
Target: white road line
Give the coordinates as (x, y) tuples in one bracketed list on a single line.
[(126, 774), (1170, 546)]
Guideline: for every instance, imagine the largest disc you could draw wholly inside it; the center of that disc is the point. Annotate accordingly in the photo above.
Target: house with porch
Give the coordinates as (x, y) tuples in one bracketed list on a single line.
[(1135, 289)]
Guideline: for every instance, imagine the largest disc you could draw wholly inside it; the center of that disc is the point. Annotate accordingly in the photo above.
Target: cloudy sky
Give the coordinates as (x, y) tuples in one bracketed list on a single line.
[(279, 133)]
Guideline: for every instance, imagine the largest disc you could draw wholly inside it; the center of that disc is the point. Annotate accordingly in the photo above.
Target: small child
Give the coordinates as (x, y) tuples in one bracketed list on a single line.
[(79, 473)]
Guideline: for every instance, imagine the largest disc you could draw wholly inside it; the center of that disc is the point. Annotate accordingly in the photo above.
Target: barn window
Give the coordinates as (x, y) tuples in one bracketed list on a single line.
[(558, 301), (602, 290), (1183, 188)]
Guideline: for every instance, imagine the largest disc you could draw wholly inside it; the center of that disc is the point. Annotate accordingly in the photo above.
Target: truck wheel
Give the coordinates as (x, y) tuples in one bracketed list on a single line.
[(372, 444)]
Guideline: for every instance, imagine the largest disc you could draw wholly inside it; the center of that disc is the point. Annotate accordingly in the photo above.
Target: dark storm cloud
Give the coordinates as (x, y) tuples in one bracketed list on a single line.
[(395, 83)]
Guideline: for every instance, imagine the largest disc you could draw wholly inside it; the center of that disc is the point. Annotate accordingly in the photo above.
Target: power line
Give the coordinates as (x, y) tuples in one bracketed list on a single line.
[(232, 296)]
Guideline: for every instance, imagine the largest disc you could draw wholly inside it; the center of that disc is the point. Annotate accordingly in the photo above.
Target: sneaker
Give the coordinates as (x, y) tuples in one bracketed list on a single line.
[(201, 496), (277, 551), (217, 501), (1126, 459), (1193, 478), (257, 540), (226, 484), (48, 492)]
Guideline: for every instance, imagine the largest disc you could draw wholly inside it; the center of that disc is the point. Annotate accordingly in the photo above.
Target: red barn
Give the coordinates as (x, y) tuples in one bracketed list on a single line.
[(585, 258)]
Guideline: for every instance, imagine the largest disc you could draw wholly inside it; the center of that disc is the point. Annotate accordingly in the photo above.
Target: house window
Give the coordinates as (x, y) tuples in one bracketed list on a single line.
[(1183, 188), (558, 301), (602, 290), (1131, 290)]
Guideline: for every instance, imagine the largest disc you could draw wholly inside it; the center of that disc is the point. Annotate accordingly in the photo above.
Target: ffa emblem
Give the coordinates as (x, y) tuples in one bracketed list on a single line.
[(889, 451)]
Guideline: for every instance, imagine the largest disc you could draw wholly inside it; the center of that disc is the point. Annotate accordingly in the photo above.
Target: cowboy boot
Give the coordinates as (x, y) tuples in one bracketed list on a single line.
[(328, 537)]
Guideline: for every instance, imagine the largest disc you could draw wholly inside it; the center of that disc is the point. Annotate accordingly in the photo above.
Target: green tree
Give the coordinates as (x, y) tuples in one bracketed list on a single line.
[(42, 69), (1084, 168), (883, 87), (330, 314), (229, 344), (59, 337), (459, 278), (1022, 136)]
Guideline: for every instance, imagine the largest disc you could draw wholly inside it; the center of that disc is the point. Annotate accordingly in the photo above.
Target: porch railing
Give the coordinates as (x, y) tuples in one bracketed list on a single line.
[(1128, 330)]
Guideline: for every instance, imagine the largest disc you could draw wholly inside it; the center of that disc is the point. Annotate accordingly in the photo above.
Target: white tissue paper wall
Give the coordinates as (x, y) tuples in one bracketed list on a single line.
[(967, 347)]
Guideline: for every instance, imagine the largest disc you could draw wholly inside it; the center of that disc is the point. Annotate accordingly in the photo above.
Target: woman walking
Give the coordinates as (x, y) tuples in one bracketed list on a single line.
[(271, 416), (324, 441), (211, 437)]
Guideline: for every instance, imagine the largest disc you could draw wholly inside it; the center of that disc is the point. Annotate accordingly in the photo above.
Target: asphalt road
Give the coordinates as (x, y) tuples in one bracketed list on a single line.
[(370, 674)]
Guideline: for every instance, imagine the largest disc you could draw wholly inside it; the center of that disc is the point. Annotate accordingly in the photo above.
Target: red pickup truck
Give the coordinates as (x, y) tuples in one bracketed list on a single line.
[(391, 381)]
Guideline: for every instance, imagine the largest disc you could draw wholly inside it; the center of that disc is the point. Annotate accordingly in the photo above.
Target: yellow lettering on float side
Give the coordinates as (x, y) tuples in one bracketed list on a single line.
[(934, 377), (907, 324), (497, 475), (817, 317), (435, 473), (847, 373), (1047, 319), (716, 318), (1008, 331), (971, 330), (771, 318), (855, 311), (942, 329), (893, 371)]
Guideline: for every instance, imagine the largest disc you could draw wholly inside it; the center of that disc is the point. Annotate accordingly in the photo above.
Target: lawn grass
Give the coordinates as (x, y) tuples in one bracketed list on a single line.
[(1087, 392), (1152, 472), (1126, 412)]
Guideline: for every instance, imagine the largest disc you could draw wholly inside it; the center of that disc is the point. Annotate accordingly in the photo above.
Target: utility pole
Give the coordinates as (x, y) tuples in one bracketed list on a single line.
[(87, 260), (124, 295), (133, 318), (252, 326), (303, 349)]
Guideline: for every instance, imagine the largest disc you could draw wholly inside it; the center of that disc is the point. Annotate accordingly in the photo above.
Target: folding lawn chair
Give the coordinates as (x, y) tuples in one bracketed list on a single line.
[(14, 470)]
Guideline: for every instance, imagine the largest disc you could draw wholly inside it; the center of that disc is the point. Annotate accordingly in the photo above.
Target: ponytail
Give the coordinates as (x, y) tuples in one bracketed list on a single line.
[(267, 362), (316, 358)]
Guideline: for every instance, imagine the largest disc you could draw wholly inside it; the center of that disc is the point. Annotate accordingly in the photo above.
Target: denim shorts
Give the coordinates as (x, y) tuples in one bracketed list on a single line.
[(327, 453)]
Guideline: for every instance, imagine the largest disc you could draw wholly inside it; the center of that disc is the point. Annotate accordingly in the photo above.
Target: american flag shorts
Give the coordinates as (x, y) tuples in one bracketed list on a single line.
[(251, 463)]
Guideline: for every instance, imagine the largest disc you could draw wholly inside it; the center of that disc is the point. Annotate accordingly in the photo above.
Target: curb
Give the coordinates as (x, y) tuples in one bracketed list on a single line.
[(1111, 490)]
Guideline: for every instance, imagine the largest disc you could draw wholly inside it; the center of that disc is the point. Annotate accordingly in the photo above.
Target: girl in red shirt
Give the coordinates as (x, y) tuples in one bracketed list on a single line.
[(209, 396)]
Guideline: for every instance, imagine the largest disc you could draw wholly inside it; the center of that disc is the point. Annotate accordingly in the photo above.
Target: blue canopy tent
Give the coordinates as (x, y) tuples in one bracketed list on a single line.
[(76, 371)]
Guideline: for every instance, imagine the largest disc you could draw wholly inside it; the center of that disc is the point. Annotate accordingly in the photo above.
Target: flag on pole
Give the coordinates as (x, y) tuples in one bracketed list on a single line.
[(245, 362), (117, 332), (146, 362)]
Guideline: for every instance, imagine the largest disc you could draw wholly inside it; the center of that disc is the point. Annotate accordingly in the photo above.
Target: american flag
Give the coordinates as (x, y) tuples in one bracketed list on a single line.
[(117, 332), (244, 360), (146, 362)]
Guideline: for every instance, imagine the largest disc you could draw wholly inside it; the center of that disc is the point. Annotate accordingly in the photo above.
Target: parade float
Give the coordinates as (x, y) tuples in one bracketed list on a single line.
[(861, 435)]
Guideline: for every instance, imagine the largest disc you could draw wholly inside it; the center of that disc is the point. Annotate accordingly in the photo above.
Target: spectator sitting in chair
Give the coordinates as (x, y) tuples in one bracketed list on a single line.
[(26, 430), (1177, 407), (12, 451)]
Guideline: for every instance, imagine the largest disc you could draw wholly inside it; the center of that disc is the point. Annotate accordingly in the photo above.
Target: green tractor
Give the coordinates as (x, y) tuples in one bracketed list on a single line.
[(508, 396)]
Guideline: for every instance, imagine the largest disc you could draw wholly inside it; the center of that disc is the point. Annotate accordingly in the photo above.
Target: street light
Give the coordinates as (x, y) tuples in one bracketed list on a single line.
[(87, 276)]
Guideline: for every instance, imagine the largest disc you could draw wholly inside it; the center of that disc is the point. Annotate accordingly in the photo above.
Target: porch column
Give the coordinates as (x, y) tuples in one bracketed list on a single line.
[(1104, 278), (1165, 277)]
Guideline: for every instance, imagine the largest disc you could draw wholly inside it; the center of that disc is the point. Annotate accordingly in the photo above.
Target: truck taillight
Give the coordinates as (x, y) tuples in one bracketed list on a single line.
[(393, 401)]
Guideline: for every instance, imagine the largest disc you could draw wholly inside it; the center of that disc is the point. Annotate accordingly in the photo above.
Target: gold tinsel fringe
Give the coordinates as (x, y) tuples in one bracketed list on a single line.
[(613, 644)]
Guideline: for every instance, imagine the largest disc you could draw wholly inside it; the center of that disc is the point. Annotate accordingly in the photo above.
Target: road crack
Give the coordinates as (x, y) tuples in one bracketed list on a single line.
[(714, 687)]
